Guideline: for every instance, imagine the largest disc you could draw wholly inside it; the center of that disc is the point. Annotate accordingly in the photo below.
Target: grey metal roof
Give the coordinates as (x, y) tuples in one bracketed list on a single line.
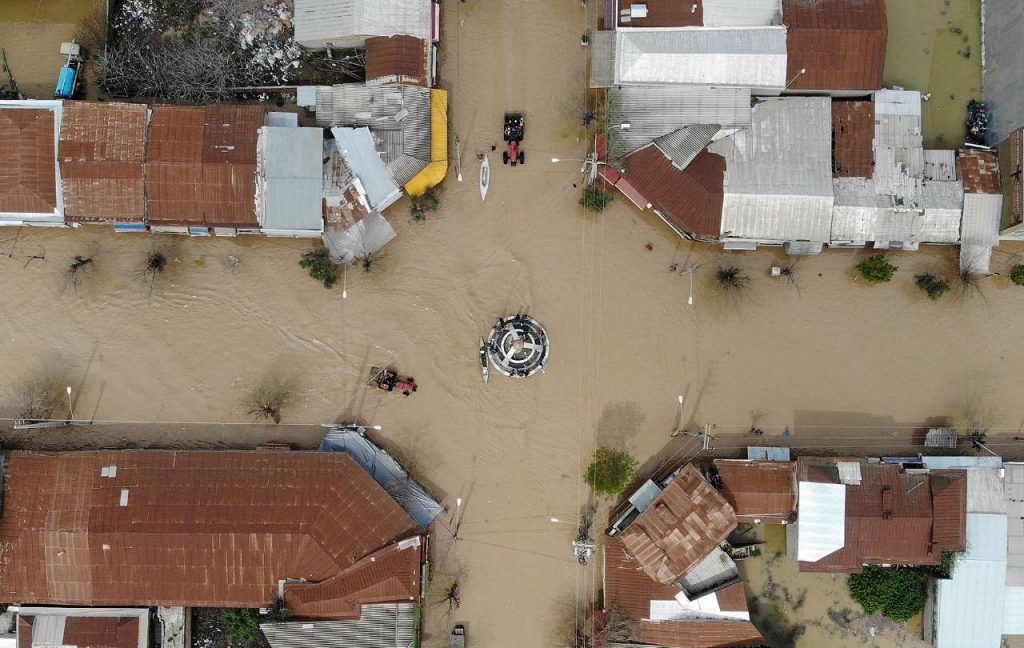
[(602, 59), (1013, 493), (289, 179), (714, 572), (939, 164), (356, 146), (347, 23), (1003, 65), (778, 175), (742, 13), (940, 438), (682, 145), (767, 453), (653, 111), (969, 606), (385, 625), (398, 116), (752, 57), (980, 232)]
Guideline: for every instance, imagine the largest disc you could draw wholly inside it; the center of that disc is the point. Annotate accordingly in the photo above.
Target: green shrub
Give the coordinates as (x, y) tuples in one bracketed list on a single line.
[(932, 285), (1017, 274), (318, 262), (595, 199), (611, 470), (897, 592), (241, 622), (420, 205), (877, 269)]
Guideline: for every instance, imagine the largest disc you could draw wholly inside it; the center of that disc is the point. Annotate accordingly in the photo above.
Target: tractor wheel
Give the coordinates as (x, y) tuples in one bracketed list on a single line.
[(522, 157), (504, 157)]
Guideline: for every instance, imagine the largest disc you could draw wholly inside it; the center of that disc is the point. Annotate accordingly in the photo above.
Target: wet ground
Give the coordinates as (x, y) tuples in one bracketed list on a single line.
[(934, 46)]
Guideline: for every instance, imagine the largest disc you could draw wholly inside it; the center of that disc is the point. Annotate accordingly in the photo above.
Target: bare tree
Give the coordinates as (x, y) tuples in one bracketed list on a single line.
[(39, 398), (80, 270), (269, 398)]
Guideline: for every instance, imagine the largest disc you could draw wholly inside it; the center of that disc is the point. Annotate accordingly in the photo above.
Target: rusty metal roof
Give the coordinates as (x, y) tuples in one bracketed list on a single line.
[(27, 166), (201, 165), (205, 529), (840, 44), (396, 59), (87, 632), (680, 527), (853, 134), (691, 199), (979, 171), (1011, 163), (692, 633), (667, 13), (949, 509), (627, 587), (102, 147), (762, 490)]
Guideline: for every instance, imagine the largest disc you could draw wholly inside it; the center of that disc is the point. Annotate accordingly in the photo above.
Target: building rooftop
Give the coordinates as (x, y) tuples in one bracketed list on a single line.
[(203, 529), (839, 44), (102, 149), (29, 177), (706, 13), (349, 23), (397, 60), (84, 627), (979, 171), (1011, 178), (385, 625), (853, 132), (1003, 72), (685, 523), (759, 490), (1013, 492), (289, 197)]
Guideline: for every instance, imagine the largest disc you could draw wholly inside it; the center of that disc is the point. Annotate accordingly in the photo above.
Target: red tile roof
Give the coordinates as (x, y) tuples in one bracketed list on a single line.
[(667, 13), (205, 529), (396, 59), (840, 44), (27, 166), (853, 134), (949, 509), (680, 527), (88, 632), (759, 490), (979, 171), (201, 165), (102, 146), (690, 199)]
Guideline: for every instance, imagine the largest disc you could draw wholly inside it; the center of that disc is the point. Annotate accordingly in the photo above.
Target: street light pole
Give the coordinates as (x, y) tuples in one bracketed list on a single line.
[(71, 409)]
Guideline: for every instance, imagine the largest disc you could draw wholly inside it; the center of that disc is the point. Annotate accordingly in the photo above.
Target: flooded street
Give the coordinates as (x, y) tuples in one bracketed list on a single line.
[(825, 350)]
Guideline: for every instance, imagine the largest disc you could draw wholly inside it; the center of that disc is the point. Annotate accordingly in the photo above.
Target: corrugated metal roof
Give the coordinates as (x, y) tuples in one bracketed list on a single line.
[(969, 606), (767, 453), (985, 490), (1013, 610), (778, 176), (939, 164), (397, 59), (1003, 65), (84, 627), (822, 523), (29, 180), (666, 13), (682, 145), (356, 146), (840, 44), (102, 147), (680, 528), (290, 179), (654, 111), (763, 490), (980, 231), (715, 571), (949, 509), (602, 58), (700, 634), (208, 529), (690, 200), (934, 462), (979, 171), (1013, 493), (853, 132), (752, 57), (627, 587), (386, 625), (348, 23), (742, 13)]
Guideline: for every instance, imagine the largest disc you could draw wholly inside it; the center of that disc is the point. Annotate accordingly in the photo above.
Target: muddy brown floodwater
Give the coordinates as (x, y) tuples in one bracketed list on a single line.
[(825, 351)]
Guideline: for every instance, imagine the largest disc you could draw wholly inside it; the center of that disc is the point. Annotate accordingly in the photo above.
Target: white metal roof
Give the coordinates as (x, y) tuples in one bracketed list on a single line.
[(778, 175), (767, 453), (341, 22), (979, 230), (980, 461), (741, 13), (822, 520), (969, 606), (985, 491), (1013, 610), (1013, 493), (356, 145), (289, 179), (752, 57)]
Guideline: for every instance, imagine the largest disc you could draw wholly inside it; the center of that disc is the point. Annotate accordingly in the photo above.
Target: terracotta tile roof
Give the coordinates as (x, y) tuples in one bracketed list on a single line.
[(88, 632), (680, 527), (27, 167), (700, 634), (840, 44), (201, 165), (396, 59), (979, 171), (668, 13), (102, 147), (690, 199), (206, 529), (762, 490), (853, 134), (949, 508)]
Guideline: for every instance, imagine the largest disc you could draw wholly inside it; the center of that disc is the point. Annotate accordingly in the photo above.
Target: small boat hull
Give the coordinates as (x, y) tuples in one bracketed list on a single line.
[(485, 177), (485, 370)]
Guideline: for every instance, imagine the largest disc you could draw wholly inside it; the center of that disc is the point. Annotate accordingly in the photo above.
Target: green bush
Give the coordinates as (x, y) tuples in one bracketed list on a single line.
[(420, 205), (241, 622), (877, 269), (611, 470), (595, 199), (1017, 274), (318, 262), (897, 592), (932, 285)]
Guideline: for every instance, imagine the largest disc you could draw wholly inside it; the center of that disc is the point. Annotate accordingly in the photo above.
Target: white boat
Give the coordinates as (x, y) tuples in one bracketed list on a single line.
[(485, 177), (484, 369)]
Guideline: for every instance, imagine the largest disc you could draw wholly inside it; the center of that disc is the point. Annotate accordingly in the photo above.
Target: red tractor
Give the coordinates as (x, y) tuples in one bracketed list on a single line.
[(390, 380), (515, 130)]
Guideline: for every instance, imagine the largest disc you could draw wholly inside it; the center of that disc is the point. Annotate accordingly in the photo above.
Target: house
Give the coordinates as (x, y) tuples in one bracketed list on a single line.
[(86, 627), (201, 169), (700, 13), (30, 180), (205, 529), (983, 208), (102, 151), (1013, 496), (759, 491), (1011, 165), (835, 46), (341, 24), (289, 181), (1003, 66)]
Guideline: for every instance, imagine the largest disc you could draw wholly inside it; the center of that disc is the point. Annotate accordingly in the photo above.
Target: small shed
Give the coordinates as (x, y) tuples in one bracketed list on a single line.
[(940, 438)]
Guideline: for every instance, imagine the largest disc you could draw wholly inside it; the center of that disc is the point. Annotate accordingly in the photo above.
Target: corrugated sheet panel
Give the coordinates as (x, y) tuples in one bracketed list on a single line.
[(1013, 492), (940, 165), (396, 59), (628, 587), (949, 509), (683, 145), (290, 179), (750, 57), (700, 634), (348, 23), (1011, 178), (969, 606), (853, 132), (380, 626), (822, 523), (1013, 610), (27, 166), (840, 44), (602, 58), (1003, 70), (691, 200), (742, 13), (764, 490), (981, 218), (985, 488), (356, 145)]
